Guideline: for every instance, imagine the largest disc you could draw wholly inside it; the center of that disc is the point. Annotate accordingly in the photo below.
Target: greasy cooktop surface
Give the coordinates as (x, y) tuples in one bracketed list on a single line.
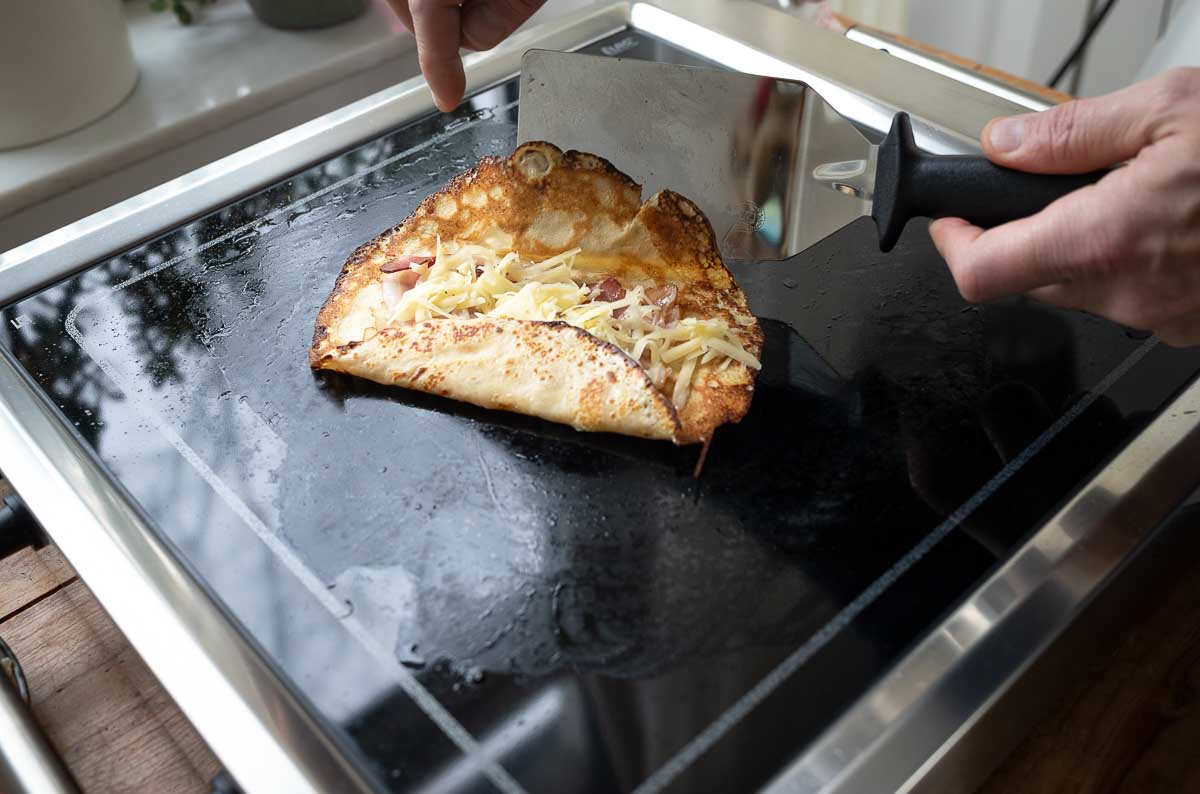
[(478, 600)]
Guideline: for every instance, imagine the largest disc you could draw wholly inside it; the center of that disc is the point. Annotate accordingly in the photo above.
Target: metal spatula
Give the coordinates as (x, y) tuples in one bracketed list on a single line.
[(774, 167)]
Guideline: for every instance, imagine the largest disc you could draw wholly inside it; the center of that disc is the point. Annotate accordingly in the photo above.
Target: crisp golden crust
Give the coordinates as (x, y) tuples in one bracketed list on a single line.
[(541, 201), (494, 362)]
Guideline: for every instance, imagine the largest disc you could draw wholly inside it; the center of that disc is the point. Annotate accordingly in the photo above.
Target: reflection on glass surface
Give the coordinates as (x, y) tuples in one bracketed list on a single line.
[(580, 604)]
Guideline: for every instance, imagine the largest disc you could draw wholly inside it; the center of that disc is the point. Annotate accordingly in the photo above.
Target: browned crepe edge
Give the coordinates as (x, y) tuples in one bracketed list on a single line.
[(681, 234)]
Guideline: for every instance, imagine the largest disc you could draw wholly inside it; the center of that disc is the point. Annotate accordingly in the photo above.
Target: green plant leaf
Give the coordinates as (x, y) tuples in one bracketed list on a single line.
[(180, 7), (182, 11)]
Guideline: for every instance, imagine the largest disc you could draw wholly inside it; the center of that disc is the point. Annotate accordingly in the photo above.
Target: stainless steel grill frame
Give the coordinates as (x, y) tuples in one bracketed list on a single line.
[(916, 723)]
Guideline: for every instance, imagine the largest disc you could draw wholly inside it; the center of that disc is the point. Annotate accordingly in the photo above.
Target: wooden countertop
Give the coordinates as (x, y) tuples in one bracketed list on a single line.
[(1131, 720), (101, 707), (1047, 93), (1130, 723)]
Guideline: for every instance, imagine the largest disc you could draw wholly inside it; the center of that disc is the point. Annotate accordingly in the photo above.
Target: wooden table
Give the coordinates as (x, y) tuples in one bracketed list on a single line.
[(1130, 722), (99, 705)]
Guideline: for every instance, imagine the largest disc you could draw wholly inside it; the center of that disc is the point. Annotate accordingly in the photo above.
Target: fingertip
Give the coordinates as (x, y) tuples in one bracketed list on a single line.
[(447, 94), (946, 231), (437, 24), (447, 82), (448, 100), (941, 224), (937, 231), (954, 238)]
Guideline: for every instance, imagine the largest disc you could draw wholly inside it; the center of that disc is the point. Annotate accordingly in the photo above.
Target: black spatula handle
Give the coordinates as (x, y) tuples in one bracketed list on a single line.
[(910, 183)]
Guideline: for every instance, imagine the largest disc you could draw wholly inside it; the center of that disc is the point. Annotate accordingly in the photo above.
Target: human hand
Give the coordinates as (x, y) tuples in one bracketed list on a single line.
[(442, 27), (1126, 248)]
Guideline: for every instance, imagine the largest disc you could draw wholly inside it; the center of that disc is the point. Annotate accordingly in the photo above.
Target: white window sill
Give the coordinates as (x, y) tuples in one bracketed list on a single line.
[(203, 92)]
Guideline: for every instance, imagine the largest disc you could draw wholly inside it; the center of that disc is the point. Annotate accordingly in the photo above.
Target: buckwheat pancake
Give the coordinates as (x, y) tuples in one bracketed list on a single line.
[(541, 283)]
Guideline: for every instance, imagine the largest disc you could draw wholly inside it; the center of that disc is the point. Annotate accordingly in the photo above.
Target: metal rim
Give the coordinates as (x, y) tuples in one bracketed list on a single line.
[(11, 668), (966, 663), (246, 714), (897, 48), (259, 728)]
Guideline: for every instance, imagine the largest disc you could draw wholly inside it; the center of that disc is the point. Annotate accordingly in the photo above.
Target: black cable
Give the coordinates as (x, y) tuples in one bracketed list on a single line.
[(1081, 46), (1164, 18), (18, 527), (224, 783)]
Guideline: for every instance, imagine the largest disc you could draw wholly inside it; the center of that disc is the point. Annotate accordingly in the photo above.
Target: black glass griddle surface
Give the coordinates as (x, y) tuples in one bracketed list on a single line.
[(455, 589)]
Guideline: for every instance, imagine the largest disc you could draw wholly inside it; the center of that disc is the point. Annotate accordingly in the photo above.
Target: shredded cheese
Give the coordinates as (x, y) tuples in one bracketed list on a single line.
[(467, 280)]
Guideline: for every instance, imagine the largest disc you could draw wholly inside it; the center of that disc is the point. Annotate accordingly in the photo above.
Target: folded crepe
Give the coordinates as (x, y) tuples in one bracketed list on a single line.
[(541, 284)]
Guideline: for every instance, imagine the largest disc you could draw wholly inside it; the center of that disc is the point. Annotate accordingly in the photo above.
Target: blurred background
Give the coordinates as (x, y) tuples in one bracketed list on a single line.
[(1029, 38), (104, 99)]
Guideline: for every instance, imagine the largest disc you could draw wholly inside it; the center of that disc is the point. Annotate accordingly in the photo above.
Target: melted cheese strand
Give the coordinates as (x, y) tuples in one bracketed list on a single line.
[(683, 383), (467, 280)]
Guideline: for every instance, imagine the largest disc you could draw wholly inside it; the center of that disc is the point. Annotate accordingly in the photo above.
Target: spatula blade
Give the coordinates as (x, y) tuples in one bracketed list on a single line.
[(748, 150)]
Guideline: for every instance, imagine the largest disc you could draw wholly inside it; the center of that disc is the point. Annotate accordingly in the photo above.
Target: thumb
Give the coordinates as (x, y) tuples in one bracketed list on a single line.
[(1075, 137)]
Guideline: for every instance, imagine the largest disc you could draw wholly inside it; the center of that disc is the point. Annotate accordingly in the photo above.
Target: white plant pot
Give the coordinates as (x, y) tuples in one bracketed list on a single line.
[(63, 63)]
